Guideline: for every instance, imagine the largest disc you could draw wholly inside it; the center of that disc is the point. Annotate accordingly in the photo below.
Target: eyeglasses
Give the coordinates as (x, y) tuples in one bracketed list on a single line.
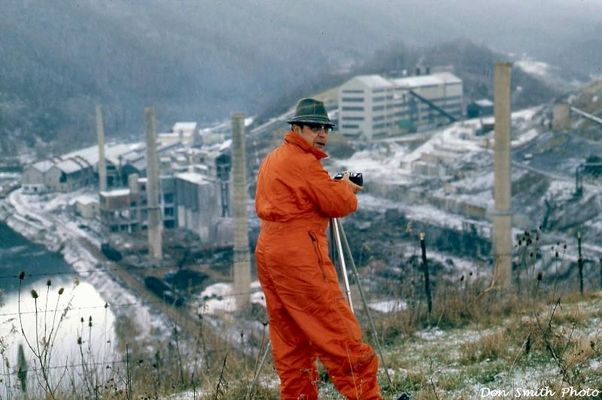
[(316, 128)]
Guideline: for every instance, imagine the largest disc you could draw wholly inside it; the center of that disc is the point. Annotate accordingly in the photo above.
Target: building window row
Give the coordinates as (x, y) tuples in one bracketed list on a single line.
[(401, 114), (352, 99), (353, 108), (350, 126), (346, 118), (353, 91)]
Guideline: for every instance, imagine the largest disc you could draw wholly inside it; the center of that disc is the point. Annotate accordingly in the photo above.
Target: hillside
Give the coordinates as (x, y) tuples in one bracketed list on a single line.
[(471, 62), (203, 60)]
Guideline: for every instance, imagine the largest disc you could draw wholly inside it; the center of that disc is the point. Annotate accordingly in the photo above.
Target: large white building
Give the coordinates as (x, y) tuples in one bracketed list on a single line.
[(372, 107)]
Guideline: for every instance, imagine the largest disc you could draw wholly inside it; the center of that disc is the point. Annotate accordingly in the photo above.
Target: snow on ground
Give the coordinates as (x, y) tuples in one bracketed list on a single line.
[(388, 306), (219, 297), (537, 68), (9, 175), (430, 334), (476, 184), (382, 164), (424, 213), (525, 138), (561, 191)]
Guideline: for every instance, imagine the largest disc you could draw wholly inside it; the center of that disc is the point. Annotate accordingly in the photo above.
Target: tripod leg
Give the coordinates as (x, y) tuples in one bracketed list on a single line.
[(337, 235), (258, 371), (342, 235), (331, 243)]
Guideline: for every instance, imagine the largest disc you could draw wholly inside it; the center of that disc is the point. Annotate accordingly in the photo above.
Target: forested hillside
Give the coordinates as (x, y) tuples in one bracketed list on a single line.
[(202, 60)]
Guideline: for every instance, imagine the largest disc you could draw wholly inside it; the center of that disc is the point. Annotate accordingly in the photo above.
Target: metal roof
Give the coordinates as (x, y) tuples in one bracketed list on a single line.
[(116, 193), (373, 81), (70, 166), (192, 177), (112, 152), (43, 166), (448, 77), (439, 78), (184, 126), (86, 199)]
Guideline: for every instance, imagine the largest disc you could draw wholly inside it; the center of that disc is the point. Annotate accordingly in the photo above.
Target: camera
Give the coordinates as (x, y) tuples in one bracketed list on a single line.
[(355, 177)]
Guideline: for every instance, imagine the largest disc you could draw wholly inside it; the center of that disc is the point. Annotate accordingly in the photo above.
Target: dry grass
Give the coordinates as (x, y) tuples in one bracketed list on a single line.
[(485, 337), (490, 347)]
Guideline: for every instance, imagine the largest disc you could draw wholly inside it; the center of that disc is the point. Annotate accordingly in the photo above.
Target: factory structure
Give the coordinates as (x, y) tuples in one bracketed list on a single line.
[(376, 107), (192, 193)]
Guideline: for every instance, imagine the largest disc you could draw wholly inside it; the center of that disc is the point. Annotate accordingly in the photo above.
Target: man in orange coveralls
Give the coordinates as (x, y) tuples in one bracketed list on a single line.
[(309, 316)]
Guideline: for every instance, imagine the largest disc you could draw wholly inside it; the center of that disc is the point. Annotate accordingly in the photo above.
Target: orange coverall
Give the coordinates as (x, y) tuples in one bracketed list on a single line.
[(309, 316)]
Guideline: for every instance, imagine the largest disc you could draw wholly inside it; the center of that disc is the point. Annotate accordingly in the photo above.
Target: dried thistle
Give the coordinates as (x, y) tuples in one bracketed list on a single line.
[(34, 294)]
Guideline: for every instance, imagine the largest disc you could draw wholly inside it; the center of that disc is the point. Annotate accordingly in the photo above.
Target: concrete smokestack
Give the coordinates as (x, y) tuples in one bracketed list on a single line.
[(155, 225), (102, 165), (502, 216), (242, 263)]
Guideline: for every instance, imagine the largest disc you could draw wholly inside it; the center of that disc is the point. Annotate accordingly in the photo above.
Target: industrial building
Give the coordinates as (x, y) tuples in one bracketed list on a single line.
[(194, 195), (126, 209), (198, 206), (193, 184), (86, 206), (374, 107), (57, 175), (185, 133), (78, 169)]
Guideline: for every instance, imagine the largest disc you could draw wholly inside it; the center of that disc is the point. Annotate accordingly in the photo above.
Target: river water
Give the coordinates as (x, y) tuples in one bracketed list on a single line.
[(53, 317)]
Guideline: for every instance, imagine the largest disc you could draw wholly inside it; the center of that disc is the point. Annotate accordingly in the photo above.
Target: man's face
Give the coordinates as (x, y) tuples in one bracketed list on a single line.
[(314, 134)]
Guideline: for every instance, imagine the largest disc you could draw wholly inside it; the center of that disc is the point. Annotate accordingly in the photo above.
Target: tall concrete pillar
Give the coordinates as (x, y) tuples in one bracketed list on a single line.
[(242, 262), (502, 216), (155, 225), (102, 165)]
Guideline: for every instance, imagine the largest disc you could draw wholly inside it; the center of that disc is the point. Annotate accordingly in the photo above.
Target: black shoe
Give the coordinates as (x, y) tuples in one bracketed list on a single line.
[(404, 396)]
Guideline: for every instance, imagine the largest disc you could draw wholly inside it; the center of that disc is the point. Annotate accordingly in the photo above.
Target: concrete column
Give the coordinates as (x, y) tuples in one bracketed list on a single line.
[(155, 225), (242, 263), (502, 216), (102, 165), (561, 117)]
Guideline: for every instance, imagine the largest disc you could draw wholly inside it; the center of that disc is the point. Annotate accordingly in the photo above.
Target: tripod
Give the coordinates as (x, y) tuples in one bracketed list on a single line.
[(339, 246), (338, 240)]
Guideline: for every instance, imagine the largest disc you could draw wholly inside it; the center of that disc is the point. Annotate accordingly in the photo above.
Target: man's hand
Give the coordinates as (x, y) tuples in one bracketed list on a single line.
[(354, 187)]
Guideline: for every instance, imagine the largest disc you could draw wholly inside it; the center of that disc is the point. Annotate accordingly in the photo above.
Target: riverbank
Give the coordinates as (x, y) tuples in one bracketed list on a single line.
[(46, 220)]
